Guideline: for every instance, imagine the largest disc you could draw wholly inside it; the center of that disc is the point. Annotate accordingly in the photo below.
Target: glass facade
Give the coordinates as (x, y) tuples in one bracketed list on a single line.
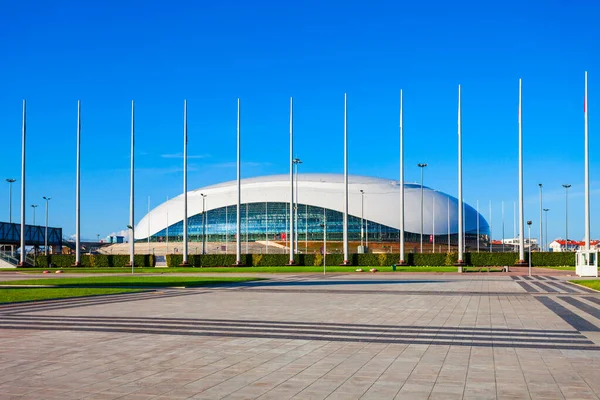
[(270, 221)]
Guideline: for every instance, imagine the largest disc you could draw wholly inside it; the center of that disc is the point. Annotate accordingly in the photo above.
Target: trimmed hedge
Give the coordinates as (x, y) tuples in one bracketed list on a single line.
[(493, 259), (370, 260), (95, 260), (553, 259)]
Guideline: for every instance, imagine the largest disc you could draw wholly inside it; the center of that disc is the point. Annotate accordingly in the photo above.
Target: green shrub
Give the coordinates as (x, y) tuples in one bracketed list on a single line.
[(317, 260), (493, 259), (429, 259), (551, 259)]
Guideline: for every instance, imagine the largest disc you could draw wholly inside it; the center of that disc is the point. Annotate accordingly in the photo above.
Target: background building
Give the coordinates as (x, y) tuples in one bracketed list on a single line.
[(265, 212)]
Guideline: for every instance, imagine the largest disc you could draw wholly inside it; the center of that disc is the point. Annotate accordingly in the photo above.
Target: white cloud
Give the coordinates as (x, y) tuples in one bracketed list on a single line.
[(124, 233)]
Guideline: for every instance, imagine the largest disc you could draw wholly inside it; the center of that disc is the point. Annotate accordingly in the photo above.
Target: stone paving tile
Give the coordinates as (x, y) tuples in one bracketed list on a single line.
[(477, 337)]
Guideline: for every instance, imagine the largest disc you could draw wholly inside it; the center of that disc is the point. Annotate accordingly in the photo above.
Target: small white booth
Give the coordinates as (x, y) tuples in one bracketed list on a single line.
[(586, 263)]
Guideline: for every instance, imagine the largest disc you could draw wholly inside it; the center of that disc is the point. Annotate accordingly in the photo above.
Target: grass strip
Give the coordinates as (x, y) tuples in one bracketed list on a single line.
[(236, 270), (130, 281), (592, 284), (13, 295)]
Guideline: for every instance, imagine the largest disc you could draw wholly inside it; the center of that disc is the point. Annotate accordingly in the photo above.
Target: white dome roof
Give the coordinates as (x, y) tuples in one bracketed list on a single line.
[(381, 202)]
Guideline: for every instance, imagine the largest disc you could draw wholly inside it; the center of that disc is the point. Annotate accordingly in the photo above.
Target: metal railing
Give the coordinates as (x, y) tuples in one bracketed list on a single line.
[(9, 258)]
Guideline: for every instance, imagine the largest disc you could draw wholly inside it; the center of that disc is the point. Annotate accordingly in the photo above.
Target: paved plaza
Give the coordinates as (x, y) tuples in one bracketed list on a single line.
[(343, 336)]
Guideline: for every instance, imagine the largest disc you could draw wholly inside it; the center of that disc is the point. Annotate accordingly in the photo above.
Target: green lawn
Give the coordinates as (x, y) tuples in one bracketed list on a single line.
[(282, 269), (592, 284), (130, 281), (12, 295), (565, 268)]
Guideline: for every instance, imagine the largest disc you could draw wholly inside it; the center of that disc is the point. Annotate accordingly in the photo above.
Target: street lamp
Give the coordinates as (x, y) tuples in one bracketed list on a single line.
[(203, 221), (10, 182), (529, 234), (362, 216), (46, 232), (296, 162), (546, 223), (34, 206), (566, 186), (422, 166), (541, 209)]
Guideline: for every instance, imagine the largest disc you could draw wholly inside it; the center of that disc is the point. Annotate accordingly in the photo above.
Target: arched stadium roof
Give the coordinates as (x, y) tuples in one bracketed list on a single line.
[(381, 202)]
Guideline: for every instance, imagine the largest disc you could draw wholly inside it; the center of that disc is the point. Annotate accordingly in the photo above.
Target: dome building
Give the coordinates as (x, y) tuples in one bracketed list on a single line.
[(265, 211)]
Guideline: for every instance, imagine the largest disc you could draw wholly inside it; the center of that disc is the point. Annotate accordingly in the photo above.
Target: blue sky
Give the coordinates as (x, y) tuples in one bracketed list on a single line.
[(210, 53)]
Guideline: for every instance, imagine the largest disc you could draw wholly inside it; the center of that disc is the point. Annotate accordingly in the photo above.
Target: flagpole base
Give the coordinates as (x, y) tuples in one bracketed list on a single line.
[(346, 263), (460, 264)]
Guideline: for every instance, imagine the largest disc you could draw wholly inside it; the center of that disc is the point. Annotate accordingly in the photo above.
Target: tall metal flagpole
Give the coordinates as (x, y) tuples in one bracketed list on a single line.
[(131, 193), (148, 224), (460, 261), (167, 251), (521, 211), (185, 194), (238, 242), (433, 225), (78, 190), (541, 211), (23, 137), (491, 227), (291, 235), (346, 257), (477, 205), (587, 165), (448, 224), (402, 260), (503, 226)]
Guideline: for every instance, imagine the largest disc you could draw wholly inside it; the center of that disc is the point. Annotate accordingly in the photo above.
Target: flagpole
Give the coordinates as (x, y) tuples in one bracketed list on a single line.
[(292, 240), (23, 141), (460, 261), (185, 194), (78, 191), (345, 230), (587, 165), (132, 192), (521, 210), (238, 243), (402, 256)]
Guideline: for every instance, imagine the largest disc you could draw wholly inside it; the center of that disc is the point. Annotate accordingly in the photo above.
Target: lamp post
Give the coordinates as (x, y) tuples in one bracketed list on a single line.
[(46, 232), (10, 182), (566, 186), (546, 223), (422, 166), (296, 162), (362, 217), (203, 222), (34, 206), (541, 209), (529, 234)]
